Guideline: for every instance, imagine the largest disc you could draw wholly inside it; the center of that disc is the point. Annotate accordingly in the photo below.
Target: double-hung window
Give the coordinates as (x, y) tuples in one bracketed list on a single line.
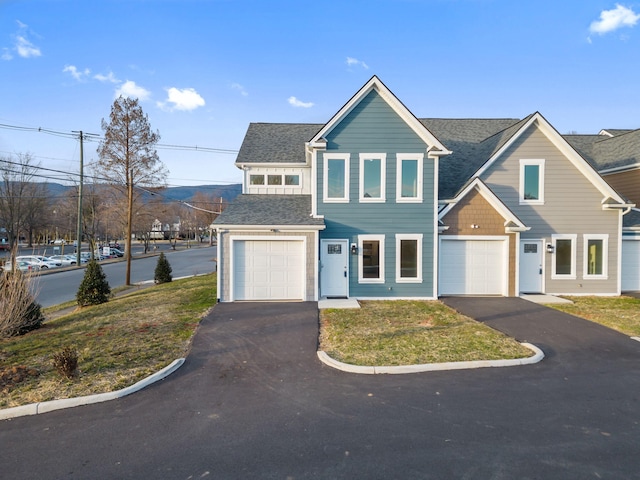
[(336, 178), (532, 182), (563, 265), (371, 259), (372, 177), (409, 177), (595, 256), (408, 258)]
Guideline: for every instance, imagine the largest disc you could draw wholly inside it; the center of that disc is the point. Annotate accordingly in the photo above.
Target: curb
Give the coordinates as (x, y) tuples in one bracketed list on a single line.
[(432, 367), (44, 407)]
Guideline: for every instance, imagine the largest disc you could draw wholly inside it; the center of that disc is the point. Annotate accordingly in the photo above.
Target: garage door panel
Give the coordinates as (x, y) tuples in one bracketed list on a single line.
[(268, 270), (472, 267), (630, 274)]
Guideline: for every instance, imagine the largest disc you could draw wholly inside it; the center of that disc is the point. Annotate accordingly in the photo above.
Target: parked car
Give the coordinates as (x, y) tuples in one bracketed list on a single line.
[(65, 260), (59, 241), (117, 252), (43, 262), (22, 265)]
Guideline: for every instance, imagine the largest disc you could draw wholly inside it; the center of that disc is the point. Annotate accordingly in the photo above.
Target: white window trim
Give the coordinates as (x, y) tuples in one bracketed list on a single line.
[(400, 157), (361, 240), (540, 164), (605, 256), (406, 236), (383, 177), (325, 179), (572, 275)]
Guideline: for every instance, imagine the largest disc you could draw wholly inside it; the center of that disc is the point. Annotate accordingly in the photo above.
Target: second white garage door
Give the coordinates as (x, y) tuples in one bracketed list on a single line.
[(473, 267), (268, 270), (630, 265)]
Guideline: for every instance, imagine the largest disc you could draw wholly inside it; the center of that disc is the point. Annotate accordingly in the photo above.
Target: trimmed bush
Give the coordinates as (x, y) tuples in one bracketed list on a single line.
[(20, 313), (94, 288), (163, 270), (66, 362)]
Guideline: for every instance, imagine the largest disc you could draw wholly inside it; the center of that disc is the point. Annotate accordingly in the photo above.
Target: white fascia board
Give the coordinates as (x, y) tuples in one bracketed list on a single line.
[(270, 228), (250, 165), (607, 171), (435, 147)]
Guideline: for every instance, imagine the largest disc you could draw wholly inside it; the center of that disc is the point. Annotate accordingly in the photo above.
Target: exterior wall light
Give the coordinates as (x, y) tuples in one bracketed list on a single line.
[(550, 248)]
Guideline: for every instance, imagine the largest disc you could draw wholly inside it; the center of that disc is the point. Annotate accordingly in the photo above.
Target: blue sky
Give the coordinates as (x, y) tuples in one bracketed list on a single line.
[(203, 70)]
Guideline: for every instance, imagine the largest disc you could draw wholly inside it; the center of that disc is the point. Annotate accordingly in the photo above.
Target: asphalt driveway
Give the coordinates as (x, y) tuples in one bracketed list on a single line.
[(253, 401)]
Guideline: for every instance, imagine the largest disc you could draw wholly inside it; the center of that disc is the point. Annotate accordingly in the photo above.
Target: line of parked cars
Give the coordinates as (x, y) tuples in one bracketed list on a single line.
[(36, 263)]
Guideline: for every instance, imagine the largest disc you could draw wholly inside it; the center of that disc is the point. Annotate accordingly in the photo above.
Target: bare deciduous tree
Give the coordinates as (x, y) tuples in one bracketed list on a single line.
[(20, 197), (127, 156)]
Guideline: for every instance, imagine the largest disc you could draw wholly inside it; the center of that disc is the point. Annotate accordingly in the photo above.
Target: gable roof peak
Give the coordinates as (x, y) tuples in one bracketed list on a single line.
[(435, 147)]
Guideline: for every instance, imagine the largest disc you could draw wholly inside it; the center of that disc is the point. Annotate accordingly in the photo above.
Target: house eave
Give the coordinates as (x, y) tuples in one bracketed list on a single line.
[(270, 228)]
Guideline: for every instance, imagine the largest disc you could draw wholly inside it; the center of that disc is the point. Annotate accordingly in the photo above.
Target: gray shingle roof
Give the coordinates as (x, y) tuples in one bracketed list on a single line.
[(276, 142), (269, 210), (472, 141), (604, 152), (631, 219)]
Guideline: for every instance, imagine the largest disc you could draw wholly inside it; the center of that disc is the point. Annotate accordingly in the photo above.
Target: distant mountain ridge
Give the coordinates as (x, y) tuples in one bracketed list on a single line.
[(227, 192)]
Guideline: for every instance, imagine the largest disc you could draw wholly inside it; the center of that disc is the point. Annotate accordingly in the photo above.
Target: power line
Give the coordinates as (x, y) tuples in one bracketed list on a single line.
[(96, 138)]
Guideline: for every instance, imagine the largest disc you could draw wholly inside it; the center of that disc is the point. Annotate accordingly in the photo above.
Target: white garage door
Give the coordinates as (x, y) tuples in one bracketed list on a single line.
[(268, 270), (630, 265), (473, 267)]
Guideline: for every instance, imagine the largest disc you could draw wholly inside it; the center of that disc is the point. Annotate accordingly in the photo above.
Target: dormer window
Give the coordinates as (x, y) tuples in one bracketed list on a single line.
[(532, 182)]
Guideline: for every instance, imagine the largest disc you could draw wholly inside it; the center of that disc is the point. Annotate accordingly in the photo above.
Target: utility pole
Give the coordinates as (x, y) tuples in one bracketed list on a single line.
[(79, 224)]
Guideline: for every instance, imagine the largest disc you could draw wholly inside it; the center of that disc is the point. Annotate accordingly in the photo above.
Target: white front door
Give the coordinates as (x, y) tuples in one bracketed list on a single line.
[(334, 265), (531, 266)]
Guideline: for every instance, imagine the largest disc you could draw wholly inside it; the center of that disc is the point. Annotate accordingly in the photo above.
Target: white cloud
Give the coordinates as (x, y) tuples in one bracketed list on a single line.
[(239, 88), (351, 62), (131, 90), (611, 20), (108, 78), (25, 48), (293, 101), (79, 75), (21, 44), (186, 99)]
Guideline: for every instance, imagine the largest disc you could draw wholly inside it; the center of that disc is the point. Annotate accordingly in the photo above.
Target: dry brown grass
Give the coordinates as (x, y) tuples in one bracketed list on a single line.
[(119, 342), (410, 333)]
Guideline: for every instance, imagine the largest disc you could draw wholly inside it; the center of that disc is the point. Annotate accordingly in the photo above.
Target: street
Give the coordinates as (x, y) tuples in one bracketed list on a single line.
[(58, 287)]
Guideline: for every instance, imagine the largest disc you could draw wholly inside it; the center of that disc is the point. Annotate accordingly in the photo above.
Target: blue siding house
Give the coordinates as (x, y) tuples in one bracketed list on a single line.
[(374, 205)]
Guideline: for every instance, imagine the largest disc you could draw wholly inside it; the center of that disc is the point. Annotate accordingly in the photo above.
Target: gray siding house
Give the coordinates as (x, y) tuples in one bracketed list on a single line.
[(377, 203)]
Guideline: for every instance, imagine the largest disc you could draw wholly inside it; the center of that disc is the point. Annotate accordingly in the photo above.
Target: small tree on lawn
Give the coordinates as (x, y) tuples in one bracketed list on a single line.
[(94, 288), (163, 270)]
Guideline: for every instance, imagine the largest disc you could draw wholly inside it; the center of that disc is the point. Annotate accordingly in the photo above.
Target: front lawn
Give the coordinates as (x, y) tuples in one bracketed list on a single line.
[(620, 313), (402, 332), (118, 343)]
